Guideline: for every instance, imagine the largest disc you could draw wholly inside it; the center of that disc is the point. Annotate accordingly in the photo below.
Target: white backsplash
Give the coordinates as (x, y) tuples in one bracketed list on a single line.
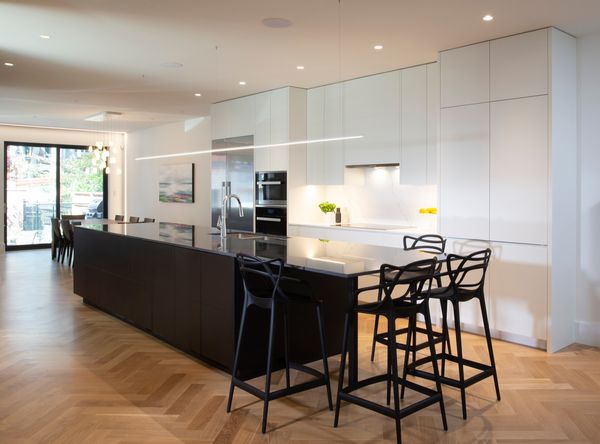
[(374, 195)]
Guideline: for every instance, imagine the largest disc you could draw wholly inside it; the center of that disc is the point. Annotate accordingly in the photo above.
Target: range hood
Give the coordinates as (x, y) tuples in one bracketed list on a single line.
[(374, 165)]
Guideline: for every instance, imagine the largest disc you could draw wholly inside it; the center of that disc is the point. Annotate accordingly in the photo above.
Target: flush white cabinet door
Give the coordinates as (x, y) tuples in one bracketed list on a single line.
[(433, 121), (315, 162), (262, 131), (518, 278), (465, 75), (280, 128), (371, 108), (465, 169), (413, 160), (241, 121), (519, 170), (220, 115), (519, 65)]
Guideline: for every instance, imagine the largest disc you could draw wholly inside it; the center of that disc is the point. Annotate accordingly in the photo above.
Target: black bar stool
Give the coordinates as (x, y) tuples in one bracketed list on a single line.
[(431, 243), (467, 278), (417, 278), (265, 287)]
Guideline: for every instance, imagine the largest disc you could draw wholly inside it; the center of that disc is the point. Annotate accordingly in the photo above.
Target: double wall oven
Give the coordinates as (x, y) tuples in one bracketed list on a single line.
[(271, 202)]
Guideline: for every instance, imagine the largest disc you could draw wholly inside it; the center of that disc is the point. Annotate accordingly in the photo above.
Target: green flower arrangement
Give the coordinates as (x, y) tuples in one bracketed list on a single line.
[(327, 207)]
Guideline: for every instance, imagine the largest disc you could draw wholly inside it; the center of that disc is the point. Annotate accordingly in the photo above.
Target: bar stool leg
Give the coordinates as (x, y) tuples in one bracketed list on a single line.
[(488, 338), (324, 353), (392, 350), (236, 359), (438, 383), (375, 328), (406, 354), (286, 346), (269, 365), (459, 355), (445, 332), (342, 368)]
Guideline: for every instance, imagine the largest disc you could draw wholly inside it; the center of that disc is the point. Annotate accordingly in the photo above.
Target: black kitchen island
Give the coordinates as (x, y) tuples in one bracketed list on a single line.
[(180, 284)]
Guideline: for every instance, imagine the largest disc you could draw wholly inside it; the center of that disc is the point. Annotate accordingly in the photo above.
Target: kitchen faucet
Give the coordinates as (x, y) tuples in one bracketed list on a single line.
[(222, 222)]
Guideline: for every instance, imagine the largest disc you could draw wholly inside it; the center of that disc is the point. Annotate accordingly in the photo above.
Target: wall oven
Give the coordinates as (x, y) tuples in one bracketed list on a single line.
[(271, 220), (271, 188)]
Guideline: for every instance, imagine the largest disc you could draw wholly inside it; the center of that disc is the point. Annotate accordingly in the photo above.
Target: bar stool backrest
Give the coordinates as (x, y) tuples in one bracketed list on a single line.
[(415, 280), (432, 243), (261, 278), (119, 217), (467, 273)]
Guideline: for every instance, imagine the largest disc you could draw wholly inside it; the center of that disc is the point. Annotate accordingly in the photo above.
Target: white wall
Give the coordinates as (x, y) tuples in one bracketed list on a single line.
[(142, 175), (587, 329), (66, 137)]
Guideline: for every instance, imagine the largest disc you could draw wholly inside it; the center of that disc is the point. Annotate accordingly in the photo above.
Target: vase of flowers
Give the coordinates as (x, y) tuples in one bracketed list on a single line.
[(328, 209)]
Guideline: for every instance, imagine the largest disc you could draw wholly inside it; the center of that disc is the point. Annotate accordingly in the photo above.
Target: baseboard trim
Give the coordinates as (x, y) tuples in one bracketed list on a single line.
[(587, 333)]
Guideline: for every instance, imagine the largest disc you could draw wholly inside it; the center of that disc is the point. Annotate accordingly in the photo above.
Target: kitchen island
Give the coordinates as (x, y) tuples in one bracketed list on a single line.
[(180, 283)]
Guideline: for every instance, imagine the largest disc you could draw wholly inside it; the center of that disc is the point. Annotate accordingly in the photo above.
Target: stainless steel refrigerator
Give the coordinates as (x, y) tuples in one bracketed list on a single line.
[(232, 172)]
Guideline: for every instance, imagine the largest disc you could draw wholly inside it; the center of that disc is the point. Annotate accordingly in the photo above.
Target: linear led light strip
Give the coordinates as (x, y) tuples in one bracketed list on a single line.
[(238, 148)]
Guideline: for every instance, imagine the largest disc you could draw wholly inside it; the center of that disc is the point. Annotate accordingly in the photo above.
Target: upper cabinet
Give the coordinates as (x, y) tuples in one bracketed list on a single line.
[(519, 65), (433, 121), (233, 118), (371, 108), (325, 160), (465, 75), (280, 129), (413, 159), (262, 131)]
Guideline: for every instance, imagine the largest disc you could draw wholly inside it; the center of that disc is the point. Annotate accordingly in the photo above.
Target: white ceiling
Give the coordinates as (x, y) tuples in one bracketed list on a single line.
[(106, 54)]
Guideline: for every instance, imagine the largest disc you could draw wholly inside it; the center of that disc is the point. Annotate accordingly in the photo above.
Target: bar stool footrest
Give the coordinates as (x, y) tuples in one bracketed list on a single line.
[(433, 397), (485, 371), (438, 338)]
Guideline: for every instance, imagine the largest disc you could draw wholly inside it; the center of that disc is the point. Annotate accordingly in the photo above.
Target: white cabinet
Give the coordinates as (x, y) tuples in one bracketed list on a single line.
[(371, 108), (465, 75), (262, 131), (233, 118), (325, 161), (280, 128), (413, 160), (518, 277), (519, 65), (433, 121), (465, 171), (519, 170)]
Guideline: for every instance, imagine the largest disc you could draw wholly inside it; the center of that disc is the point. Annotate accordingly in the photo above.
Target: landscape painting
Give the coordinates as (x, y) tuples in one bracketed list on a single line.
[(176, 183)]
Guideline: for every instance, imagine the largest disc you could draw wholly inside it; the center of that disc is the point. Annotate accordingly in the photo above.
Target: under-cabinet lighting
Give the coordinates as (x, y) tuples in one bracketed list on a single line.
[(238, 148)]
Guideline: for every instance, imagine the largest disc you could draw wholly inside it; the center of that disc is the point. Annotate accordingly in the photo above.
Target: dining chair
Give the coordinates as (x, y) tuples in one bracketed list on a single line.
[(119, 217), (134, 219), (149, 219)]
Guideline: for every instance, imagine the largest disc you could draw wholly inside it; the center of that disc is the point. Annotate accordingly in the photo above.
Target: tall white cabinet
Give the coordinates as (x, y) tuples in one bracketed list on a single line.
[(507, 108)]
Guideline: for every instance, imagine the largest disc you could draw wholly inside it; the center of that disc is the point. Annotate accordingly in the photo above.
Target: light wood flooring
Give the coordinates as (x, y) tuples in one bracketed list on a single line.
[(72, 374)]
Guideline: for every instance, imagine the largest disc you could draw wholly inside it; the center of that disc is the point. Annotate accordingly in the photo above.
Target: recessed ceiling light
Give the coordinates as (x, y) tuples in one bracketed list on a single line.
[(44, 36), (8, 64), (198, 94), (242, 83), (171, 65), (277, 22), (487, 18), (300, 67), (378, 47)]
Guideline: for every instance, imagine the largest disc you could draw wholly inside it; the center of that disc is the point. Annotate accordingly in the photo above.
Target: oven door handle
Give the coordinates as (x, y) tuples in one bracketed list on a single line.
[(269, 182), (268, 219)]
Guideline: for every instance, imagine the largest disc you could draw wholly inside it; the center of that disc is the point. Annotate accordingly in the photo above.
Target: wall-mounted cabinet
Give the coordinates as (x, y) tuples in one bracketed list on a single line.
[(519, 65), (413, 158), (325, 160), (371, 108), (465, 75), (233, 118)]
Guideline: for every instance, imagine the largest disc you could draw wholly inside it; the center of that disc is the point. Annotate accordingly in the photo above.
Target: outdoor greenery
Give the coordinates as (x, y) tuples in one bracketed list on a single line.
[(73, 177)]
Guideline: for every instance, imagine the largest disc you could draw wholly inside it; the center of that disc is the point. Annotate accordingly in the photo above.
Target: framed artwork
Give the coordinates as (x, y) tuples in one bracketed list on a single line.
[(176, 183), (181, 234)]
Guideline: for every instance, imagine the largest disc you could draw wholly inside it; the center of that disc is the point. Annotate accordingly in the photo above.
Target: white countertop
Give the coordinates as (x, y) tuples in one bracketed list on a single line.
[(361, 226)]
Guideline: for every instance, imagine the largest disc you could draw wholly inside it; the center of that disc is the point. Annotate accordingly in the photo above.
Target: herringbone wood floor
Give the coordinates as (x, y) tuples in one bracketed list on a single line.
[(71, 374)]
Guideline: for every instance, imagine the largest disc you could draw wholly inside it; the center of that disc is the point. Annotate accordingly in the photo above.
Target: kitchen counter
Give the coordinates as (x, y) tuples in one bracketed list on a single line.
[(345, 259)]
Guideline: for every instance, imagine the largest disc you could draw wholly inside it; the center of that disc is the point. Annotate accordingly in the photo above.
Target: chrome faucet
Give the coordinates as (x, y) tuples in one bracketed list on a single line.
[(222, 222)]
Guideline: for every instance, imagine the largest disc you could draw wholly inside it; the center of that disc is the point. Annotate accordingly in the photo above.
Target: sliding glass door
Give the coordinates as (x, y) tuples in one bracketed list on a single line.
[(45, 181)]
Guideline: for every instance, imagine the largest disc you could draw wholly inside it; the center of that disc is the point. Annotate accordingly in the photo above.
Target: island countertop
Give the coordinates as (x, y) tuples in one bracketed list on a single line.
[(321, 255)]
